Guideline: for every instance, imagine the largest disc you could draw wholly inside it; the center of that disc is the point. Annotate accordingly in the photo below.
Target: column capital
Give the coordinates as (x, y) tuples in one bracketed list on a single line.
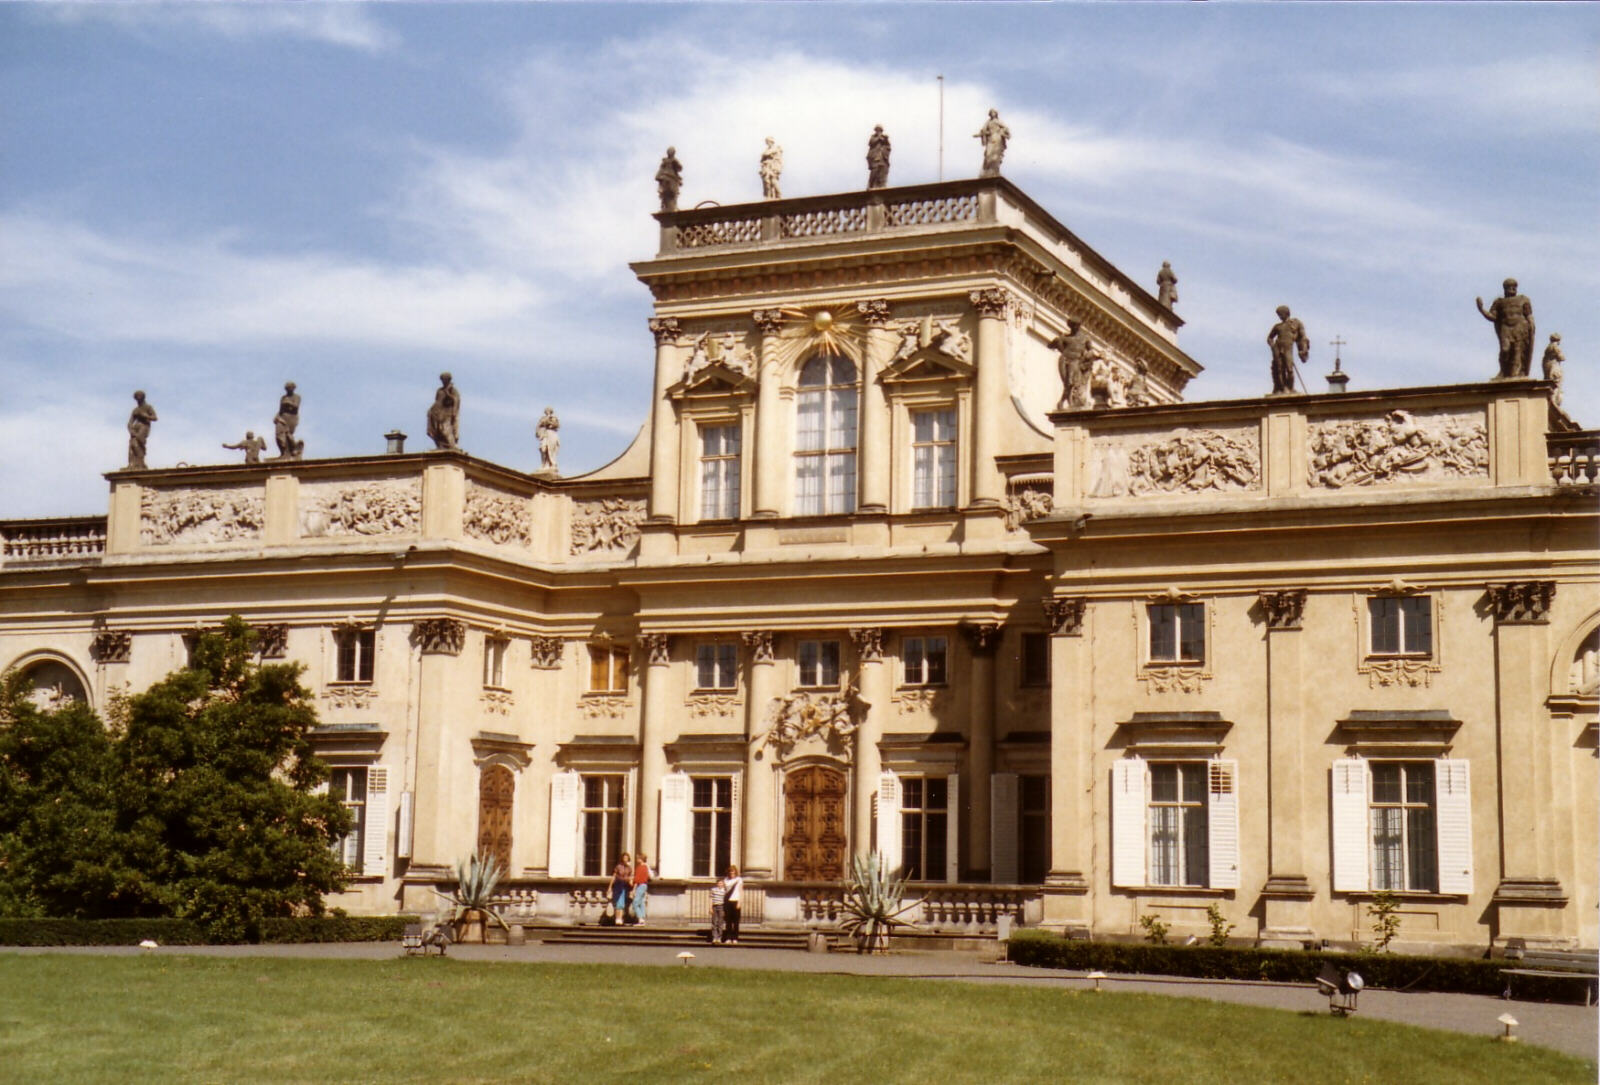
[(546, 654), (1284, 609), (1065, 614), (759, 641), (869, 642), (440, 636), (992, 300), (983, 637), (875, 311), (665, 329), (768, 321), (656, 647), (1525, 602)]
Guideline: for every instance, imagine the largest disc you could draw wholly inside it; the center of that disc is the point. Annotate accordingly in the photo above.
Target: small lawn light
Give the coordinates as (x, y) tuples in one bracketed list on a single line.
[(1097, 977), (1342, 989), (686, 957), (1510, 1034), (149, 943)]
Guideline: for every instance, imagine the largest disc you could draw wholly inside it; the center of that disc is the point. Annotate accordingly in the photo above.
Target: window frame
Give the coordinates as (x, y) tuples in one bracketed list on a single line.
[(728, 491), (920, 647), (1027, 677), (1033, 827), (935, 484), (720, 826), (824, 649), (834, 397), (723, 657), (494, 661), (358, 648), (928, 824), (1191, 824), (1188, 621), (612, 819), (355, 841), (609, 672), (1417, 837), (1405, 628)]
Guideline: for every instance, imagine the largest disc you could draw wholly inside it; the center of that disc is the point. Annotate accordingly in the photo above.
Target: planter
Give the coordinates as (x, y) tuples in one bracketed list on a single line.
[(469, 927)]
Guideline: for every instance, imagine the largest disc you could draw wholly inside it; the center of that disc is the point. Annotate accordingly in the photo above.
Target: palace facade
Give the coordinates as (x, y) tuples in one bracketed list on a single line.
[(871, 579)]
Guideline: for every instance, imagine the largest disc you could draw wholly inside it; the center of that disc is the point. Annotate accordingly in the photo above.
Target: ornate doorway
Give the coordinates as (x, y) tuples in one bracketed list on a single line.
[(495, 788), (815, 842)]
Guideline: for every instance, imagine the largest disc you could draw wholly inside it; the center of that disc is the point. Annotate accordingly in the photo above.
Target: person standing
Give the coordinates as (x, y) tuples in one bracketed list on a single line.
[(719, 897), (621, 876), (641, 888), (730, 906)]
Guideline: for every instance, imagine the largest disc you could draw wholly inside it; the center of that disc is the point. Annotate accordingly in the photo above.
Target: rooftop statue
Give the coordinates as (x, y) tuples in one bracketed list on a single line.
[(669, 180), (285, 422), (771, 169), (1552, 365), (444, 417), (1512, 317), (549, 433), (994, 137), (877, 158), (139, 430), (1167, 285), (1287, 336), (1075, 356), (251, 446)]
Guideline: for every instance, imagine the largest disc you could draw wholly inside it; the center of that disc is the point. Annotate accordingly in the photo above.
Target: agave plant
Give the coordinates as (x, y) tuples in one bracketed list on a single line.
[(874, 902), (477, 878)]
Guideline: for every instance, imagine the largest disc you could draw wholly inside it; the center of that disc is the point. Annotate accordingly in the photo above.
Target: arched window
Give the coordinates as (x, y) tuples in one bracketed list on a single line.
[(825, 438)]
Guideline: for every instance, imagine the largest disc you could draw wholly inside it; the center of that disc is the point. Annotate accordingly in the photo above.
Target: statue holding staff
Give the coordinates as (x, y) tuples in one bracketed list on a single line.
[(1512, 317), (1286, 336)]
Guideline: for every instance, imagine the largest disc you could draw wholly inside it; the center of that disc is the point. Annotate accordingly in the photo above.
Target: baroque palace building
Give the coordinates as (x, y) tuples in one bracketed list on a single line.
[(868, 580)]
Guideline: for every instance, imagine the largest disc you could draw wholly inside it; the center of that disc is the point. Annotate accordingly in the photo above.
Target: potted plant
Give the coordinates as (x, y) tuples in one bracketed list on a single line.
[(874, 902), (477, 879)]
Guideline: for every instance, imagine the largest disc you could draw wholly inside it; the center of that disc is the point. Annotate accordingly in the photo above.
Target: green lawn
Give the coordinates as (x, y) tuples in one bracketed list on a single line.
[(173, 1018)]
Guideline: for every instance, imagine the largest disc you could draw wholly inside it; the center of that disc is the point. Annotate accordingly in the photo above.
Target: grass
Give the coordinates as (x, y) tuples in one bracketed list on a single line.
[(203, 1019)]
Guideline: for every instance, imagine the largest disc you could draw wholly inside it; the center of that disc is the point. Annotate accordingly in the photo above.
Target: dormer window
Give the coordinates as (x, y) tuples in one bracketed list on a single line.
[(825, 438)]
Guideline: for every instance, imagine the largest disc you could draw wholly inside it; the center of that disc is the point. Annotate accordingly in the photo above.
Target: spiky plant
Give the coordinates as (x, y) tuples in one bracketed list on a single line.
[(874, 902), (477, 878)]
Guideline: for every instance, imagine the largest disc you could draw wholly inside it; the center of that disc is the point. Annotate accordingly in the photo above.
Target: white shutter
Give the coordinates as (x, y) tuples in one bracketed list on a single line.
[(1351, 863), (952, 829), (566, 789), (630, 812), (1454, 819), (1128, 787), (888, 810), (375, 848), (402, 828), (736, 835), (1003, 824), (1222, 821), (672, 852)]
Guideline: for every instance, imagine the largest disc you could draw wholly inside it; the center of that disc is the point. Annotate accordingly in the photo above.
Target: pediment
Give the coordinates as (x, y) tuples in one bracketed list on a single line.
[(928, 364), (716, 379)]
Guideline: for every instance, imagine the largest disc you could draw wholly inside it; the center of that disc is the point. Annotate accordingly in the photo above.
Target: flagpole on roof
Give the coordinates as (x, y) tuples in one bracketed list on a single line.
[(941, 128)]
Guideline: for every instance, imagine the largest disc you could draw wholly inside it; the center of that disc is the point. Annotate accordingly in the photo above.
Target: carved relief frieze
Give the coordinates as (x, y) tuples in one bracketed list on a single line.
[(347, 695), (547, 652), (1398, 448), (111, 646), (1183, 462), (1026, 503), (1523, 603), (1169, 679), (922, 700), (497, 516), (607, 706), (943, 337), (440, 636), (1284, 609), (498, 702), (1384, 673), (272, 641), (194, 515), (345, 509), (869, 643), (1065, 615), (759, 641), (606, 524), (726, 350), (716, 705), (830, 718)]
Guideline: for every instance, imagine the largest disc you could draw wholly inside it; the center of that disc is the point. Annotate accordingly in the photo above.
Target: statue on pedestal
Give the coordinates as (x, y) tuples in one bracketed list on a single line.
[(1167, 285), (444, 417), (994, 137), (1552, 361), (669, 180), (1075, 356), (251, 446), (285, 422), (139, 430), (1512, 317), (771, 169), (1287, 336), (878, 158), (549, 433)]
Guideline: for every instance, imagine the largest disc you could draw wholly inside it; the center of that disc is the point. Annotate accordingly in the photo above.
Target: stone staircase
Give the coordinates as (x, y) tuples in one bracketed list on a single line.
[(687, 936)]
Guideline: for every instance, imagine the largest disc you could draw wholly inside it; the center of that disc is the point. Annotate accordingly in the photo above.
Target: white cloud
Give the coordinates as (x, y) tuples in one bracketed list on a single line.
[(344, 23), (1514, 97)]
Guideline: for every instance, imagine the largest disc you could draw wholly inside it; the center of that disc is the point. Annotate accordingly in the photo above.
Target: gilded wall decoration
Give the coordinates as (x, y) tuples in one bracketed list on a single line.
[(702, 705), (190, 515), (381, 507), (1186, 462), (607, 523), (1398, 448), (497, 516), (346, 695), (829, 717)]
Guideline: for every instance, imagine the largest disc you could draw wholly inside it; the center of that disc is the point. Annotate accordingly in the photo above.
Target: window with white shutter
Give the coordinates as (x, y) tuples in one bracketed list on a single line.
[(952, 829), (672, 852), (1128, 786), (888, 826), (566, 793), (1223, 822), (1004, 820), (1455, 826), (1350, 859), (375, 848)]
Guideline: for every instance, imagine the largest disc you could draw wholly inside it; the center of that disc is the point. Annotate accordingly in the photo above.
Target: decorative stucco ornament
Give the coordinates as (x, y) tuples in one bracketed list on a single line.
[(1398, 448)]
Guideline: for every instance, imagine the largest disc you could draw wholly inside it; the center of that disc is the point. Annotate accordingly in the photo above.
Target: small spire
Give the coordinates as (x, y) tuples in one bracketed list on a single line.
[(1338, 378)]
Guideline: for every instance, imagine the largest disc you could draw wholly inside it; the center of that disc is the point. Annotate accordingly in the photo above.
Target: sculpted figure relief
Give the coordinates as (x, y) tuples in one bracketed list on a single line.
[(803, 715), (1075, 355), (611, 523), (1512, 317), (190, 515), (386, 507), (1287, 336), (771, 170), (944, 336), (1167, 285), (669, 180), (444, 417), (251, 446), (497, 517), (1398, 447), (877, 158), (139, 430), (994, 136), (285, 422), (1189, 461), (549, 433), (1552, 365)]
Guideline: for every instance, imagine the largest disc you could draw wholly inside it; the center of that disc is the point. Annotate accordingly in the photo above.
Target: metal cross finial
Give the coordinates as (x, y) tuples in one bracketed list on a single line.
[(1336, 342)]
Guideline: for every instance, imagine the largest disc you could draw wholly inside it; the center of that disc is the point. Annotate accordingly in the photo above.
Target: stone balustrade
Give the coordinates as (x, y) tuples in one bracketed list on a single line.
[(70, 539), (1574, 457)]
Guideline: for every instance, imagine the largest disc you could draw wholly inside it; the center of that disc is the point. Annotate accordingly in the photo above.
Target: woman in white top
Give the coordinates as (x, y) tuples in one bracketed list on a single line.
[(730, 906)]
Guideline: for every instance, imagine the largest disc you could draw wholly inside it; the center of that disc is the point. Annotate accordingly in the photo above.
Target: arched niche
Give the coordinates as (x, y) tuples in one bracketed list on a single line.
[(57, 680), (1575, 671)]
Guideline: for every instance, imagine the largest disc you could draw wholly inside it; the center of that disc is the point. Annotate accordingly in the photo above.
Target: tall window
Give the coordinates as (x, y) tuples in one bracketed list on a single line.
[(1179, 833), (825, 437), (494, 661), (924, 808), (1033, 809), (819, 663), (712, 811), (1404, 836), (602, 823), (608, 669), (1401, 626), (1177, 633), (719, 472), (933, 459), (716, 665), (924, 659), (1035, 661), (356, 650), (349, 786)]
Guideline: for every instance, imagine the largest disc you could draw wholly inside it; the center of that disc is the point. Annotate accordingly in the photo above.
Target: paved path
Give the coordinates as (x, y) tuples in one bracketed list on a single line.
[(1572, 1029)]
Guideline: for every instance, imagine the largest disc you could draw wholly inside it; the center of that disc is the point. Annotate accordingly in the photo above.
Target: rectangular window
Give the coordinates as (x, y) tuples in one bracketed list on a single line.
[(1401, 626), (494, 662), (1177, 632), (716, 666), (819, 663), (933, 459), (711, 807), (1179, 833), (608, 669), (1033, 809), (1035, 662), (719, 472), (924, 808), (349, 786), (1404, 834), (356, 650), (924, 659), (601, 817)]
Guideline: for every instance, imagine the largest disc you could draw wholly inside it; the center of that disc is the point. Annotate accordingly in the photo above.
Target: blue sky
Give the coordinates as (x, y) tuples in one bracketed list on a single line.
[(206, 200)]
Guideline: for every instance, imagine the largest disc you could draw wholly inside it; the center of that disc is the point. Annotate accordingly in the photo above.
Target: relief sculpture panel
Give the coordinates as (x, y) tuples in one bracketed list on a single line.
[(498, 516), (344, 509), (1186, 461), (1398, 448), (190, 515), (609, 523)]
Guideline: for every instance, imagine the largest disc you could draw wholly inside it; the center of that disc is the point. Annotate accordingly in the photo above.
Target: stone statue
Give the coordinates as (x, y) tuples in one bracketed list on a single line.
[(1075, 354), (1166, 285), (549, 433), (285, 422), (1512, 317), (771, 168), (1286, 336), (669, 180), (877, 158), (994, 137), (1552, 365), (252, 447), (139, 430), (444, 417)]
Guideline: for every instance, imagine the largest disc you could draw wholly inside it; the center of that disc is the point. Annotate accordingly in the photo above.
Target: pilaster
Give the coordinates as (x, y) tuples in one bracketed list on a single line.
[(876, 686), (982, 639), (436, 836), (653, 722), (761, 814), (1066, 900), (991, 305), (1287, 893), (664, 423), (444, 496), (874, 457), (769, 458), (282, 509)]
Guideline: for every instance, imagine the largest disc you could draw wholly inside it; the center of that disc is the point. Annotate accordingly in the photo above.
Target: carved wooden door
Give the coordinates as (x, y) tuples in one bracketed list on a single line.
[(495, 788), (815, 842)]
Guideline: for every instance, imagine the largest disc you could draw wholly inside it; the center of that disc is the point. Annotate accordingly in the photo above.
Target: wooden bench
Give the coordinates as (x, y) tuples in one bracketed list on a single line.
[(1568, 964)]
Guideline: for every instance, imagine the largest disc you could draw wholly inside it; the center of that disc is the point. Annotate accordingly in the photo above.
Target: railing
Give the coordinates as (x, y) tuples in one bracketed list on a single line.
[(1574, 457), (752, 903), (52, 540), (517, 903), (971, 908)]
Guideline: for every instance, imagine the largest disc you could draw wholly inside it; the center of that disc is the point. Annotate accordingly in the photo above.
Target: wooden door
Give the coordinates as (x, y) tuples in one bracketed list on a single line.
[(495, 788), (816, 844)]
